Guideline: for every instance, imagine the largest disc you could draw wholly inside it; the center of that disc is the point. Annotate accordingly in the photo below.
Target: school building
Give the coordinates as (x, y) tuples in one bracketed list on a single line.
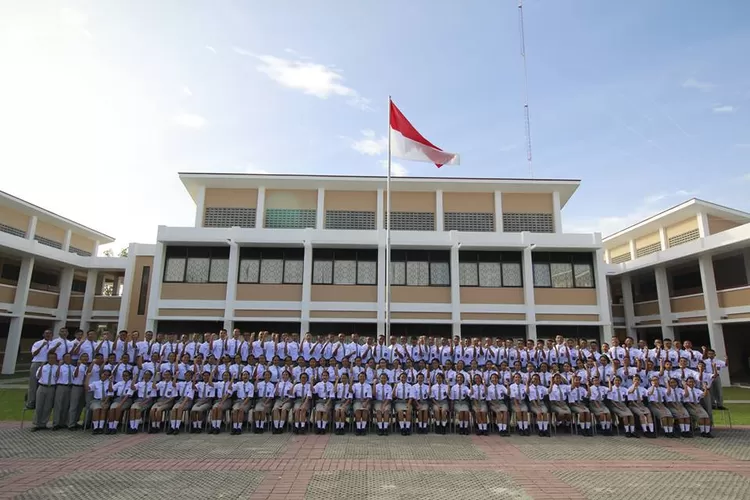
[(299, 253)]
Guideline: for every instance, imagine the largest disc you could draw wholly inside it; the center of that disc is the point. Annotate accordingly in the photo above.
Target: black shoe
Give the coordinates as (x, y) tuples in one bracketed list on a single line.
[(170, 431), (56, 427), (176, 431), (708, 435), (721, 407)]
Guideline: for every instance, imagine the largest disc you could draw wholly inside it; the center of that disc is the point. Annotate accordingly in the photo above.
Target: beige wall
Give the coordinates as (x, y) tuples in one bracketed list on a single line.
[(734, 298), (682, 227), (344, 314), (420, 315), (14, 218), (617, 251), (646, 308), (361, 201), (493, 316), (194, 291), (135, 321), (261, 313), (618, 311), (231, 198), (421, 294), (685, 304), (344, 293), (291, 293), (107, 303), (50, 232), (43, 299), (565, 296), (479, 295), (739, 316), (7, 294), (81, 242), (717, 224), (567, 317), (412, 202), (191, 312), (692, 319), (469, 202), (647, 240), (528, 203), (291, 198), (76, 302)]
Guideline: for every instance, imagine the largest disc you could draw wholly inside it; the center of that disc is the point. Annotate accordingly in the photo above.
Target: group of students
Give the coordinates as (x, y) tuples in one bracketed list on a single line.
[(273, 382)]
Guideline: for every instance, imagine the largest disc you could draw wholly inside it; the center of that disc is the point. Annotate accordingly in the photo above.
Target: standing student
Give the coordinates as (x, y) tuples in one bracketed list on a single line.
[(78, 392), (145, 394), (323, 391), (205, 392), (302, 394), (403, 405), (185, 398), (478, 397), (636, 395), (63, 388), (496, 396), (223, 402), (383, 393), (101, 394), (362, 393), (576, 403), (460, 407), (244, 391), (283, 402), (121, 402), (691, 398), (39, 351), (343, 391), (439, 393), (420, 395), (597, 395), (656, 405), (168, 392), (536, 392), (46, 376), (714, 367), (617, 398), (266, 391), (517, 396)]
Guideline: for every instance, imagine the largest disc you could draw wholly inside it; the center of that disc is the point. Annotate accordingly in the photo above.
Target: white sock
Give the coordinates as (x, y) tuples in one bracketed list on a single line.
[(408, 425), (644, 427), (702, 428), (385, 425), (650, 426), (587, 425), (540, 424)]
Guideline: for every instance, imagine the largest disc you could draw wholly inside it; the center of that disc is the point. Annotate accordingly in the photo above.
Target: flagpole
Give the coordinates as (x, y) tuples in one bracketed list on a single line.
[(388, 234)]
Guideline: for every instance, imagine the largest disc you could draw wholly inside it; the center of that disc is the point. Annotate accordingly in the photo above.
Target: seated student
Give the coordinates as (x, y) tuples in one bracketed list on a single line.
[(536, 392), (517, 396), (145, 395), (362, 393), (302, 393), (636, 394), (168, 392), (459, 405), (121, 402), (558, 395), (265, 390), (343, 393), (478, 396), (691, 398), (673, 401), (244, 390), (656, 400), (78, 391), (439, 395), (403, 404), (101, 395), (617, 399), (323, 392), (283, 402), (383, 394), (204, 393), (597, 395), (222, 403), (185, 398), (420, 397), (577, 405), (496, 395)]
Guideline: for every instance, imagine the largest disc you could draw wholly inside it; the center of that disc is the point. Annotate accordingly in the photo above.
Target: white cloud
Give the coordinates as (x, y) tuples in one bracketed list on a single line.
[(210, 49), (186, 91), (724, 109), (397, 170), (190, 120), (369, 144), (311, 78), (692, 83), (241, 51), (73, 17)]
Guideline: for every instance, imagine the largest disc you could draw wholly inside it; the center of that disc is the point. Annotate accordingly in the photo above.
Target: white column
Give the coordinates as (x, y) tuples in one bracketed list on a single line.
[(607, 258), (63, 301), (320, 213), (602, 294), (200, 206), (127, 290), (703, 229), (665, 308), (711, 301), (746, 256), (31, 230), (633, 251), (528, 293), (307, 274), (381, 283), (66, 242), (154, 292), (498, 211), (556, 212), (380, 214), (626, 285), (19, 311), (232, 276), (455, 291), (260, 207), (439, 213), (663, 238), (87, 310)]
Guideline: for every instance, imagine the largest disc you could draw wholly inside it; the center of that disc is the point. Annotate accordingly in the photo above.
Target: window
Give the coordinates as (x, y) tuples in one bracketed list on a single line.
[(228, 217), (420, 268), (349, 219), (469, 221), (345, 267), (490, 269), (12, 230), (730, 272), (619, 259), (286, 218), (563, 269), (269, 266), (411, 221), (78, 286), (196, 265), (679, 239), (47, 280), (48, 242), (685, 280), (10, 272), (78, 251), (143, 291), (533, 223), (648, 249)]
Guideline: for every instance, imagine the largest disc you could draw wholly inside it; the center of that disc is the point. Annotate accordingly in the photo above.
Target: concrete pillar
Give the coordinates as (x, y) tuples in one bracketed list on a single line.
[(439, 211), (703, 229), (602, 289), (66, 243), (746, 256), (528, 292), (663, 238), (87, 311), (154, 292), (665, 307), (66, 287), (232, 276), (31, 230), (455, 290), (711, 300), (633, 250), (260, 207), (556, 211), (498, 211), (19, 311), (320, 212), (307, 275), (628, 308), (200, 206), (531, 332), (127, 290)]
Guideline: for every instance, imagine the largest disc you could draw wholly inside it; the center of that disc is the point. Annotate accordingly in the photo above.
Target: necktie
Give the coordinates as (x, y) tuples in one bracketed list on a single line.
[(49, 374)]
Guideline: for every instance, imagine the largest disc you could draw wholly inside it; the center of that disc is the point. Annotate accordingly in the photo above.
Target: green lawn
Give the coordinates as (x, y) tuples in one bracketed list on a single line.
[(736, 393), (11, 404)]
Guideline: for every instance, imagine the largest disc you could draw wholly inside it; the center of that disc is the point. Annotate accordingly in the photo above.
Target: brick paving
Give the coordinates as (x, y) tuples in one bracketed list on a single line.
[(64, 464)]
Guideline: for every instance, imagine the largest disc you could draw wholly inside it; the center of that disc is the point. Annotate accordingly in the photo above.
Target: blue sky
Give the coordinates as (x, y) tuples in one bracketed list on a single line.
[(102, 103)]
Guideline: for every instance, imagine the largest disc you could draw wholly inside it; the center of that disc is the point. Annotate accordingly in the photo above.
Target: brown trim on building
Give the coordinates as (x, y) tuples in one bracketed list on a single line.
[(344, 293), (285, 293), (493, 316), (479, 295), (420, 315), (567, 317), (565, 296), (192, 312), (264, 313), (421, 294), (344, 314), (193, 291)]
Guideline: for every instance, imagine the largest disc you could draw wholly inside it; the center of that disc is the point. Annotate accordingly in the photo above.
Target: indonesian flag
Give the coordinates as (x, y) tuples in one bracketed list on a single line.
[(408, 144)]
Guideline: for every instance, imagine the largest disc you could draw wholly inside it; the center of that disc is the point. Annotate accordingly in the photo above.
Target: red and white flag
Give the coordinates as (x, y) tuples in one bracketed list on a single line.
[(408, 144)]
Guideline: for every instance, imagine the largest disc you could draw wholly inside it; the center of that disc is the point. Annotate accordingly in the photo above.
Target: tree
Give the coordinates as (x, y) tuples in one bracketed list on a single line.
[(123, 252), (110, 253)]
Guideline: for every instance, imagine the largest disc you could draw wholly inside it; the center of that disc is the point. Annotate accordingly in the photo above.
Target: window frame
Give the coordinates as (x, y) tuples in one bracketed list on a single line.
[(356, 256), (568, 258), (183, 253), (476, 257), (288, 254), (431, 256)]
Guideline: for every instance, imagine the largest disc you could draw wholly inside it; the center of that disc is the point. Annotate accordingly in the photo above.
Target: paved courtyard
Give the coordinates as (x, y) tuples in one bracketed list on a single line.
[(75, 465)]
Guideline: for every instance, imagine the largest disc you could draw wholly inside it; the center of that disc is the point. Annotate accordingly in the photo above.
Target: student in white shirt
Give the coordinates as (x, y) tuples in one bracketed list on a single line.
[(536, 392), (46, 376), (145, 395), (517, 396), (558, 396), (656, 404), (439, 393), (362, 395), (222, 403), (596, 395), (420, 396), (168, 392), (244, 390), (39, 351), (183, 404), (617, 398), (204, 393), (383, 394), (576, 395), (478, 395), (403, 404), (673, 401), (323, 392), (78, 392), (63, 387), (302, 394), (283, 402), (714, 367), (691, 398), (343, 392), (265, 390), (496, 396), (121, 402), (101, 391)]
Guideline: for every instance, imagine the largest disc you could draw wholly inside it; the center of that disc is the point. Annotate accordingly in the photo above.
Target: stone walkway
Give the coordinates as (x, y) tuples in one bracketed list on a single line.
[(75, 465)]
